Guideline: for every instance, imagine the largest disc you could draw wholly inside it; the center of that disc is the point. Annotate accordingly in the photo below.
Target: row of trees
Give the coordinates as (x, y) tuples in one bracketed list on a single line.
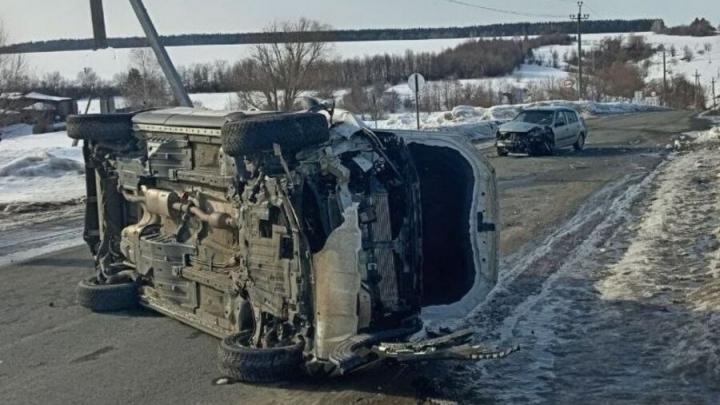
[(472, 59), (327, 35), (276, 74), (700, 27)]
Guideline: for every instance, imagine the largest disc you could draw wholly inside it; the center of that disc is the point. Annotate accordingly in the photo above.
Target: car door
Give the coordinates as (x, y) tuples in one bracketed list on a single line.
[(560, 129), (574, 128)]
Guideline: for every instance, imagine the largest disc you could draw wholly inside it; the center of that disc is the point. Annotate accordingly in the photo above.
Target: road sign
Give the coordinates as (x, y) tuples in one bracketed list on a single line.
[(568, 84), (416, 81)]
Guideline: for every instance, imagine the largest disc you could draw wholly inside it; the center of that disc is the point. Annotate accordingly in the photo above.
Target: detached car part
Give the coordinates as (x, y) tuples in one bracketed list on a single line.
[(305, 241)]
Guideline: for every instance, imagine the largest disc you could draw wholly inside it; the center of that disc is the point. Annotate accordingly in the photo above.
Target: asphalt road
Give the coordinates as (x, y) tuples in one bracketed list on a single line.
[(53, 351)]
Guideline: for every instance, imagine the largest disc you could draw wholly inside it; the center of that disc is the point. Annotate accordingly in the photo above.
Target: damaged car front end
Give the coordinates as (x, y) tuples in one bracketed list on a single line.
[(304, 241)]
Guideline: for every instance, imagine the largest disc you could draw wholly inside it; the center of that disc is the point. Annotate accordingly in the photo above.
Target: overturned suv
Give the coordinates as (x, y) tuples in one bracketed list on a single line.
[(305, 241)]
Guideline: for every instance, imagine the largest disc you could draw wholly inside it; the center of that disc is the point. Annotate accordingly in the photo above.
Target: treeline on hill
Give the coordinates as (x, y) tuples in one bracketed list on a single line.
[(494, 30), (471, 59), (700, 27), (612, 68)]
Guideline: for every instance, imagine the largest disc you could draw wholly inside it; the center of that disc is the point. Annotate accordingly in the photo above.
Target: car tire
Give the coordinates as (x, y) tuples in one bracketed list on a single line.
[(580, 143), (100, 127), (548, 147), (106, 297), (258, 134), (241, 362), (502, 152)]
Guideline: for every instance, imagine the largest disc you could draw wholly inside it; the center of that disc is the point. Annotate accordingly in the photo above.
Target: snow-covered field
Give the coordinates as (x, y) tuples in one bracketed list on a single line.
[(704, 62), (522, 77), (39, 168)]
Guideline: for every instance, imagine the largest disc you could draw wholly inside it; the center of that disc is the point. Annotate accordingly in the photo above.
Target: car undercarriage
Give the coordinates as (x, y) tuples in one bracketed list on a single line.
[(304, 240)]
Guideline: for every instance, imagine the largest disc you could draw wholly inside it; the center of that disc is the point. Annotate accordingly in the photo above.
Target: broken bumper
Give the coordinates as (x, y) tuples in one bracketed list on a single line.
[(361, 350), (520, 143), (455, 346)]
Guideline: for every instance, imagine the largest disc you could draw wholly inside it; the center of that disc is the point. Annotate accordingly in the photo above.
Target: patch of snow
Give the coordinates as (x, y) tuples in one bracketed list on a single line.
[(15, 130), (39, 165), (39, 168), (522, 78), (711, 135), (94, 108), (215, 101), (51, 242)]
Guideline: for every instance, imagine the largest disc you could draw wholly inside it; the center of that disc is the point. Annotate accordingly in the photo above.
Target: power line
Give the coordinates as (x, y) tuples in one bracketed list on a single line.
[(502, 11)]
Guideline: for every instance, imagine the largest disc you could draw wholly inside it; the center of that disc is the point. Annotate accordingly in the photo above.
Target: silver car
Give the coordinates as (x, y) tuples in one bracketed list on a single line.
[(541, 131)]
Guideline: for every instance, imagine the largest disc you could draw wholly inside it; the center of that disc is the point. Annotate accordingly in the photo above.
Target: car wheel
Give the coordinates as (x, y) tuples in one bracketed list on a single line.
[(106, 297), (502, 152), (580, 143), (258, 134), (547, 148), (241, 362), (100, 127)]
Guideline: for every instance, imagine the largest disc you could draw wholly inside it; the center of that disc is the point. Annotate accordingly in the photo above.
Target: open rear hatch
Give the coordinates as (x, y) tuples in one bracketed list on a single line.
[(460, 222)]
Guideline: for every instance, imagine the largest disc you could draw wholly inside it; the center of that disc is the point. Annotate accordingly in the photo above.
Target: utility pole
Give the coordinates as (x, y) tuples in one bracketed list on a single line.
[(580, 17), (161, 54), (697, 86), (664, 77)]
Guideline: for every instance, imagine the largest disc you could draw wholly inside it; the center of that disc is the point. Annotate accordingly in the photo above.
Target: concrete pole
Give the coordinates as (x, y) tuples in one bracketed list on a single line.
[(579, 18), (166, 64)]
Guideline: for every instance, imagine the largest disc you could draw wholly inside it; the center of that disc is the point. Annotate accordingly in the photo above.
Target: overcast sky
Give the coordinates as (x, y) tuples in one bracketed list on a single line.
[(27, 20)]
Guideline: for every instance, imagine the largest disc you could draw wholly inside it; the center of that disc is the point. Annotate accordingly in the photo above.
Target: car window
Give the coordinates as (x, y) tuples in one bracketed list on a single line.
[(536, 117), (560, 118), (571, 117)]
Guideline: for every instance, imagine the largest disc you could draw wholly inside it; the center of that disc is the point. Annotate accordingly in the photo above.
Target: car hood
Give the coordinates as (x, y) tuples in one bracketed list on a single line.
[(519, 126)]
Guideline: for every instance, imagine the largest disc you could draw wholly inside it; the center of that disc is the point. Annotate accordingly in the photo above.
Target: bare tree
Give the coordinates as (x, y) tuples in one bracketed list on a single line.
[(283, 69), (54, 83), (144, 85), (687, 54), (13, 77), (88, 80)]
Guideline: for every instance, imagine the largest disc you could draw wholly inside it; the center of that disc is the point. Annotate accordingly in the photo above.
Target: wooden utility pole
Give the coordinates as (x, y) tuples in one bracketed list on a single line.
[(580, 17), (697, 86), (664, 77)]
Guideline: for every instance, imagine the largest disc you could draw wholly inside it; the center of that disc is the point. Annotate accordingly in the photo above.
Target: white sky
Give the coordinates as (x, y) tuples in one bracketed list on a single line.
[(33, 20), (27, 20)]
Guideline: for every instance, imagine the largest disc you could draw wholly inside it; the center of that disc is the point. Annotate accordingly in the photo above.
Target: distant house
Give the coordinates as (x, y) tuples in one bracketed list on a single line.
[(39, 109), (60, 107)]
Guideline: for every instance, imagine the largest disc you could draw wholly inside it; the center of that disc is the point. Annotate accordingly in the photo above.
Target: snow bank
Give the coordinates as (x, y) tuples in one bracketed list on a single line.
[(709, 136), (481, 123), (467, 120), (15, 130), (39, 168), (588, 108), (42, 164)]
